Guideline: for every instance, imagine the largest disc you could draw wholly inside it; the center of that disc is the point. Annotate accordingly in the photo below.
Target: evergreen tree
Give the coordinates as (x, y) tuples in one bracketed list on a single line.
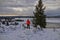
[(40, 18)]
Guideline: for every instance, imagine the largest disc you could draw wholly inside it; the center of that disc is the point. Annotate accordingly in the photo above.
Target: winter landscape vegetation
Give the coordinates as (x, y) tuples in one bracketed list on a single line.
[(44, 17)]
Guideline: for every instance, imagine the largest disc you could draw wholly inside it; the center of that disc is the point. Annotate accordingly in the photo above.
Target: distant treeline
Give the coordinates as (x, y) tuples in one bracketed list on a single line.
[(7, 17), (52, 16), (2, 17)]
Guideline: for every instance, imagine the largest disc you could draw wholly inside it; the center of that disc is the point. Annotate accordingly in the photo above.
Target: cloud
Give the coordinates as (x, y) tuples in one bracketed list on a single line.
[(26, 7), (53, 12), (52, 4), (16, 6), (6, 9), (17, 3)]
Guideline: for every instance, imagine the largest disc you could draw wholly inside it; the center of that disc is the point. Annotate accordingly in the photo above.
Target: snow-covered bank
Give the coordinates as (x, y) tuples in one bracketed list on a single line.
[(29, 34)]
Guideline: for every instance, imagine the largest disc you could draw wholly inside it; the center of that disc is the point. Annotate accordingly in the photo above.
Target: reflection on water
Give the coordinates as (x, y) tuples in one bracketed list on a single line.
[(53, 20)]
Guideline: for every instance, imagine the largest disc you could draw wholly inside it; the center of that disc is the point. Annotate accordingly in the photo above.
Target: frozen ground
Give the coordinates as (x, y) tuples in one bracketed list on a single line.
[(29, 34)]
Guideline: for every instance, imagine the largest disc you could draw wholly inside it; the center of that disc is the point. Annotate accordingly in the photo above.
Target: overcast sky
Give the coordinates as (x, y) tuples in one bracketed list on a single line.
[(26, 7)]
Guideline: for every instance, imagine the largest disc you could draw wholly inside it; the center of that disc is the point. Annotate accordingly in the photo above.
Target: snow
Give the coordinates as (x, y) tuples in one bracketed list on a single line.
[(29, 34)]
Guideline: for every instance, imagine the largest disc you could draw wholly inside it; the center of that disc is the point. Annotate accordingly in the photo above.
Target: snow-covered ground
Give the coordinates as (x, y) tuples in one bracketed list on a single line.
[(29, 34)]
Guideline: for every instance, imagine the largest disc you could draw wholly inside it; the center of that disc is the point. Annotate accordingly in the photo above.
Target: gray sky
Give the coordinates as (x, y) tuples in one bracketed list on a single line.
[(26, 7)]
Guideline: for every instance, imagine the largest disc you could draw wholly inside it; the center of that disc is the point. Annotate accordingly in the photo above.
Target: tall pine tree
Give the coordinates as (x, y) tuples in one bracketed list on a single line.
[(40, 18)]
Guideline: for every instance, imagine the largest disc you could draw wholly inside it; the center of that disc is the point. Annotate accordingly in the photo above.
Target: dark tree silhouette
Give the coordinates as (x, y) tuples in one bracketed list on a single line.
[(40, 18)]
